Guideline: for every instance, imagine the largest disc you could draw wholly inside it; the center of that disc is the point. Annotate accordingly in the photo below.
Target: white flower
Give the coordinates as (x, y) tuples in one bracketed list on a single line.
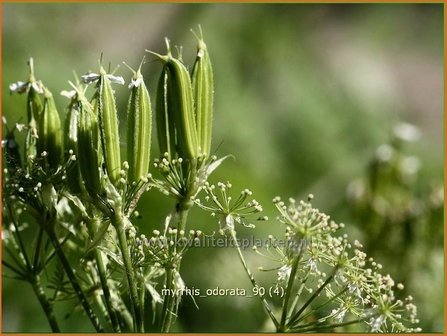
[(68, 94), (93, 77), (135, 82), (21, 87), (18, 87), (376, 323), (90, 77), (407, 132), (284, 273)]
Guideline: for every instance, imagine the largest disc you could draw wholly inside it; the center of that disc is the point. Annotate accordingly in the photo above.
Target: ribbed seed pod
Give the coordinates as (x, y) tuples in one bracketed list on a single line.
[(165, 127), (34, 110), (108, 125), (71, 144), (50, 133), (180, 98), (34, 105), (203, 91), (180, 108), (180, 105), (139, 119), (87, 144)]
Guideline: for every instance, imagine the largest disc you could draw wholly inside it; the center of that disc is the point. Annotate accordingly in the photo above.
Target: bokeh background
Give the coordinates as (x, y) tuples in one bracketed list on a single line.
[(305, 94)]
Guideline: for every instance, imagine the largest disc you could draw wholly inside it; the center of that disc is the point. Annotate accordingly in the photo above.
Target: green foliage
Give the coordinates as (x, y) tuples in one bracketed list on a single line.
[(320, 148)]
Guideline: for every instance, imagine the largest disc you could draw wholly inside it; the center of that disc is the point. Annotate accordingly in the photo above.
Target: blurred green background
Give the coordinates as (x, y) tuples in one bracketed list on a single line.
[(304, 94)]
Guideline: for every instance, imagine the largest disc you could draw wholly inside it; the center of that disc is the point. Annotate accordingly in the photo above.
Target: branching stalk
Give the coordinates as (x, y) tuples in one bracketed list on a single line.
[(288, 293), (309, 301), (170, 304), (74, 282), (253, 281)]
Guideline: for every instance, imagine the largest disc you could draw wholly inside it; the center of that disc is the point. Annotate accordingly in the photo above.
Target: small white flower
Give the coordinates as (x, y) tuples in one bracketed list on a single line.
[(116, 79), (376, 323), (384, 153), (68, 94), (18, 87), (284, 273), (135, 82), (407, 132), (90, 77), (21, 87)]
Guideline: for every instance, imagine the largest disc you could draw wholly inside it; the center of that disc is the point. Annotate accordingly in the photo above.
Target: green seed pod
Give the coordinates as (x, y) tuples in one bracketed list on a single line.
[(87, 135), (139, 119), (109, 131), (165, 126), (180, 99), (34, 110), (34, 104), (71, 143), (50, 133), (203, 90)]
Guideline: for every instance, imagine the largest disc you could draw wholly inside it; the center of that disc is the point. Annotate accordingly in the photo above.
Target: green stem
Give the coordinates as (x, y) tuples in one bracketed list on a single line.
[(322, 305), (44, 303), (93, 225), (106, 291), (118, 223), (19, 239), (74, 282), (253, 281), (288, 293), (37, 250), (167, 306), (169, 310)]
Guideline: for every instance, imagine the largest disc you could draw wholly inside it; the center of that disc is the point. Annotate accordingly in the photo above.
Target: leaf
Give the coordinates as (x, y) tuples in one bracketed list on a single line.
[(214, 165), (98, 236)]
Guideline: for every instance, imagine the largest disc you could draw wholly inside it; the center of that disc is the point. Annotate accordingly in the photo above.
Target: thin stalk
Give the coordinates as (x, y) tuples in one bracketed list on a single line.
[(44, 303), (106, 291), (37, 250), (298, 295), (74, 282), (19, 238), (170, 306), (12, 268), (253, 281), (118, 223), (288, 293), (309, 301), (93, 225), (322, 305), (142, 294), (327, 326)]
